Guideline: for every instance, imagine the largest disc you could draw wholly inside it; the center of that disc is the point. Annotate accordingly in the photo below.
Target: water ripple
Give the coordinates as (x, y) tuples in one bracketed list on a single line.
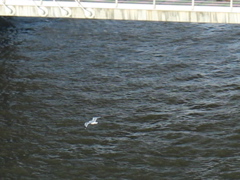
[(168, 100)]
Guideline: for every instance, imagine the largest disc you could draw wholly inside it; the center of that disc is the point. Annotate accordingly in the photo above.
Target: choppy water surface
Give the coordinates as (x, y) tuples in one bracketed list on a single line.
[(167, 93)]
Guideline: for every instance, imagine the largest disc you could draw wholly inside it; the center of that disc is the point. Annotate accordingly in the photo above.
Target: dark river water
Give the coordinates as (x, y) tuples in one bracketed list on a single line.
[(168, 95)]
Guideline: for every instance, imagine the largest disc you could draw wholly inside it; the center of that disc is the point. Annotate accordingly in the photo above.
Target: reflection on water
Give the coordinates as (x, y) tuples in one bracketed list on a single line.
[(167, 94)]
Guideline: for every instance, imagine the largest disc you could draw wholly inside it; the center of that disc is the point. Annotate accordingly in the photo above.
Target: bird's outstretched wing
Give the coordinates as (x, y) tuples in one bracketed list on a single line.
[(94, 119)]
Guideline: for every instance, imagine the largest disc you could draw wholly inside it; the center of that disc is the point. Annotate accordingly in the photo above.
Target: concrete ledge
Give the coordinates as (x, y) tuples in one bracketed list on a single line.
[(122, 12)]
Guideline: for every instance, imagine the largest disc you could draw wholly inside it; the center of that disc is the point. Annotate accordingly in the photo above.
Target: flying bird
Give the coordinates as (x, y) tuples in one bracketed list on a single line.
[(93, 121)]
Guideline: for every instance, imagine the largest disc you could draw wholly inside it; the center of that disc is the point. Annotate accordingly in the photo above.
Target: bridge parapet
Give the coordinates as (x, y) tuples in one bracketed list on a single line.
[(212, 11)]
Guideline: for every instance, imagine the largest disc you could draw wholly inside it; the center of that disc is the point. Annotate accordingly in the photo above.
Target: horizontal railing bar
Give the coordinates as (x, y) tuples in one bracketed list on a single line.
[(192, 3)]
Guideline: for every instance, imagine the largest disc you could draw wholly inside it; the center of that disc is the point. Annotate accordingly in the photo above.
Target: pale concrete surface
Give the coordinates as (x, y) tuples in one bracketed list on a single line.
[(144, 12)]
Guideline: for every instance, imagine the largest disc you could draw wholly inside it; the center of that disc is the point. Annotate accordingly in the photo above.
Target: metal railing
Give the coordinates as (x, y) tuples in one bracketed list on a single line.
[(218, 3)]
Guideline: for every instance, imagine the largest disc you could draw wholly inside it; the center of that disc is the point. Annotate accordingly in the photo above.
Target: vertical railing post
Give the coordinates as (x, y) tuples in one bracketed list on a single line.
[(154, 4), (116, 3), (193, 4), (231, 4)]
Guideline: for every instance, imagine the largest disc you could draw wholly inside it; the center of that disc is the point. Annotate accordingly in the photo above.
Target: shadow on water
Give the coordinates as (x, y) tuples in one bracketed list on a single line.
[(5, 23), (7, 48), (10, 133)]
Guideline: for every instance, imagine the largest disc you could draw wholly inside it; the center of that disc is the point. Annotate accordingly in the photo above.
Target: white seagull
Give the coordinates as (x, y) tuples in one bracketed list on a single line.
[(93, 121)]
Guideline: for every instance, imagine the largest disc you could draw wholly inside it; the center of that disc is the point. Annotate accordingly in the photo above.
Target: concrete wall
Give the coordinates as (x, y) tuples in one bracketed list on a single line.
[(181, 14), (163, 15)]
